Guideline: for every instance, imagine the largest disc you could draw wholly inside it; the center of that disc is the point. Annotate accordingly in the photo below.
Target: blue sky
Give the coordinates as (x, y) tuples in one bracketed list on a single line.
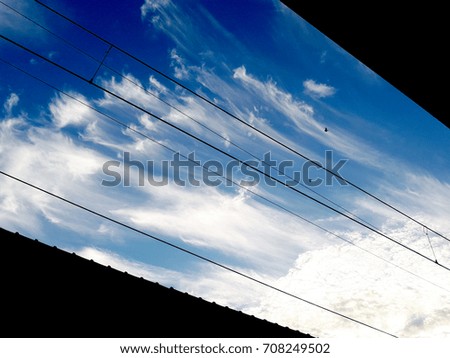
[(263, 63)]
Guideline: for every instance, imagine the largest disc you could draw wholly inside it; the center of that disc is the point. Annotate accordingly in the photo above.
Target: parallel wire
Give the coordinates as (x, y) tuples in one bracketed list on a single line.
[(203, 98), (179, 248), (236, 145), (431, 246), (102, 64), (68, 43), (192, 253), (132, 129), (241, 162)]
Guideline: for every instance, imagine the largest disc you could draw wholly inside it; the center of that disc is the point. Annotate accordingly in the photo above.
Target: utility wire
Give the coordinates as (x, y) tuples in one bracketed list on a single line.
[(110, 47), (192, 253), (203, 98), (429, 241), (128, 127), (102, 64), (235, 145), (68, 43), (105, 90)]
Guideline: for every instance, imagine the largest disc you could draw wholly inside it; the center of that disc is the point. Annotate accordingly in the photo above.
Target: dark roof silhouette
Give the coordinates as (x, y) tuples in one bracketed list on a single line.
[(49, 292), (388, 40)]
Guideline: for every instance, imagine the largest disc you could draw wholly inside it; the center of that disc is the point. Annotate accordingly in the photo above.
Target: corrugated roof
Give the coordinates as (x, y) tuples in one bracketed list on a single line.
[(53, 293)]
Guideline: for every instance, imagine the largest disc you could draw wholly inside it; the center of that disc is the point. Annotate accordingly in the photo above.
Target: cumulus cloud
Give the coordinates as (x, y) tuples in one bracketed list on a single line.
[(318, 90), (375, 293)]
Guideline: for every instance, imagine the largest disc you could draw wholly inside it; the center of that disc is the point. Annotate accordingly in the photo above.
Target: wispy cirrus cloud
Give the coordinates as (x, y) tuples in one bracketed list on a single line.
[(318, 90), (181, 71), (153, 5), (11, 102), (217, 224), (54, 161), (302, 115), (52, 156)]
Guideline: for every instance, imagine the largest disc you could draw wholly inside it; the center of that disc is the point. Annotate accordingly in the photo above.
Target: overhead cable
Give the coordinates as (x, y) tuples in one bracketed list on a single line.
[(207, 169), (227, 112), (192, 253), (241, 162)]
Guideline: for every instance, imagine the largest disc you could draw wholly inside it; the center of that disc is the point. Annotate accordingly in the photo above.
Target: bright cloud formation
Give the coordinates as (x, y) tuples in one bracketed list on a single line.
[(61, 143), (10, 103), (319, 90)]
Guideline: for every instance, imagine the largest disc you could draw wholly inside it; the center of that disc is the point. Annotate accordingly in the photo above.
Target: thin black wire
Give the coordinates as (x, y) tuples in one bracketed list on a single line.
[(203, 98), (233, 182), (431, 246), (192, 253), (126, 126), (236, 145), (101, 63), (50, 32), (241, 162)]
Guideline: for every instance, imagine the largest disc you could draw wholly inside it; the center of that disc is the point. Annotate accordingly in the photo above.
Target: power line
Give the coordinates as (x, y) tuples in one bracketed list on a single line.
[(102, 64), (192, 253), (116, 121), (241, 162), (236, 145), (186, 251), (49, 31), (431, 246), (268, 136), (360, 221)]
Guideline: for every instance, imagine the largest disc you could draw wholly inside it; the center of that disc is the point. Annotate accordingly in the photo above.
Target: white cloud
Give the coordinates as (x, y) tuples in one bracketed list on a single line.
[(152, 6), (233, 224), (375, 293), (66, 111), (319, 90), (47, 158), (128, 87), (52, 159), (165, 16), (181, 71), (423, 196), (303, 117), (234, 227), (201, 35), (160, 88), (11, 102)]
